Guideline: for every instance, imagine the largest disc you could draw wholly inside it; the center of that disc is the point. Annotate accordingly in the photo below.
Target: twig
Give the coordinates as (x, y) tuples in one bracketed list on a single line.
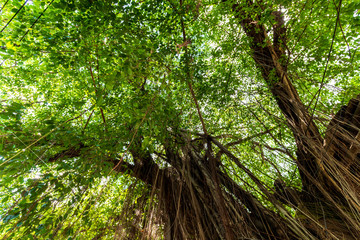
[(13, 16), (94, 83), (190, 79)]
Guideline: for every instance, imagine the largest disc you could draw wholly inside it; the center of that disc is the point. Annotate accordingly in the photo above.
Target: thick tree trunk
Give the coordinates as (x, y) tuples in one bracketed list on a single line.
[(200, 201), (329, 173)]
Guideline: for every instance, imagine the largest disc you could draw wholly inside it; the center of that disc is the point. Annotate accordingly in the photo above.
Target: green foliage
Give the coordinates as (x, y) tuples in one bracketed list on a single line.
[(91, 75)]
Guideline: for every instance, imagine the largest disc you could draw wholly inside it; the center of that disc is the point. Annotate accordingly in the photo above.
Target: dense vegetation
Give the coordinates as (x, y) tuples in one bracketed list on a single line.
[(179, 119)]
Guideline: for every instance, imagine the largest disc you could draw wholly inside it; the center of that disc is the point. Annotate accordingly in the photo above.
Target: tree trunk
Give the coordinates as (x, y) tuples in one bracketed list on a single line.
[(201, 202), (329, 168)]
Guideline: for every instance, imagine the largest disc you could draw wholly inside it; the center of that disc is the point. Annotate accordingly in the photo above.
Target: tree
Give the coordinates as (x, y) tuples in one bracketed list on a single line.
[(180, 119)]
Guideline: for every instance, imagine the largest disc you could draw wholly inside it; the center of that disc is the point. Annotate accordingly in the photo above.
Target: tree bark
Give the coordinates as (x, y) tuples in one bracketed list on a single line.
[(328, 168)]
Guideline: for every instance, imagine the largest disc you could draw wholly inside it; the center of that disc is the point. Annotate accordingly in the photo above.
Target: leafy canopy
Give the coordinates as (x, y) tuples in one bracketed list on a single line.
[(93, 76)]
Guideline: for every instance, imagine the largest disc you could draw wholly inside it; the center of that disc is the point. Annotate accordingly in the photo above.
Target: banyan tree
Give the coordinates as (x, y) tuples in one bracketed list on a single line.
[(176, 119)]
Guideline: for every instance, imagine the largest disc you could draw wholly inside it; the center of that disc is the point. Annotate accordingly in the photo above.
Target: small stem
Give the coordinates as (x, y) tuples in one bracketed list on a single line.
[(189, 78)]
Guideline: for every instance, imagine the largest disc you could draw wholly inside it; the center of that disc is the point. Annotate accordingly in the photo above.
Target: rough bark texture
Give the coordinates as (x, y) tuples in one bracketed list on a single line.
[(326, 171), (200, 201)]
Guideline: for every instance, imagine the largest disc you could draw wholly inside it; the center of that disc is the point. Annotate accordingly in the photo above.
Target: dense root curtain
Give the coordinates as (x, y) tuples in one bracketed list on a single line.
[(199, 200)]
